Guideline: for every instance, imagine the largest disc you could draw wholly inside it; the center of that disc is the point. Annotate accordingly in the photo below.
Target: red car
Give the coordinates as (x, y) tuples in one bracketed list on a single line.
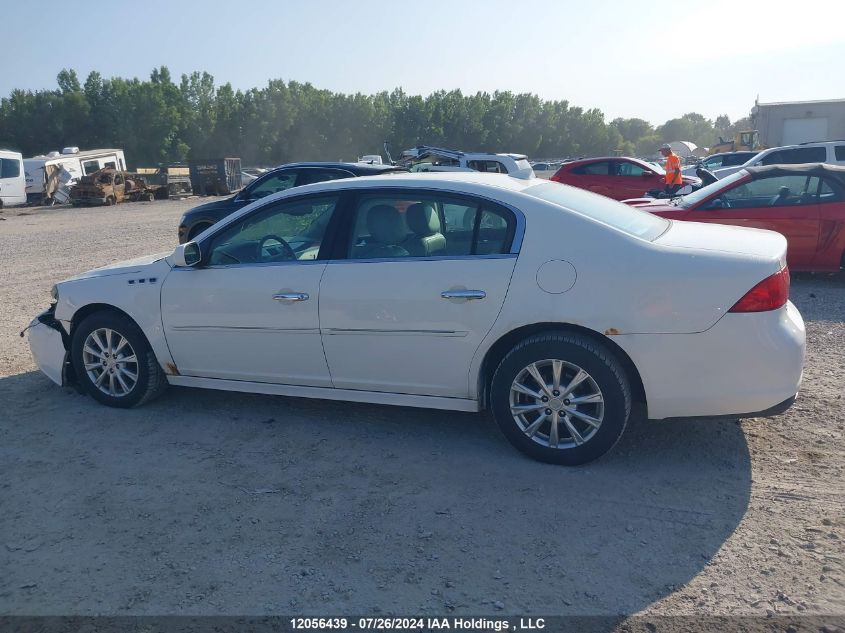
[(618, 177), (805, 203)]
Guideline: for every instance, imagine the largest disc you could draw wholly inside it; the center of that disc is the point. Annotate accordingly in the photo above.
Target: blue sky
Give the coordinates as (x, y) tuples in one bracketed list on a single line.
[(626, 58)]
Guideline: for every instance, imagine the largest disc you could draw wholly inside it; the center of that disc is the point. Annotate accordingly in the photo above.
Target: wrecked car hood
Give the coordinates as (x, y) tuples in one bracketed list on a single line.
[(120, 268)]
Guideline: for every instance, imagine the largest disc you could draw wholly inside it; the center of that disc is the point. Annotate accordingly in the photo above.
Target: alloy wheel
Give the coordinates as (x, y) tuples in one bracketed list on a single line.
[(557, 404), (110, 362)]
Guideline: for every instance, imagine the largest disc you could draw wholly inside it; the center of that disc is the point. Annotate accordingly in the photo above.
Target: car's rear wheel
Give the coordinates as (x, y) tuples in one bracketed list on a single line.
[(113, 361), (561, 398)]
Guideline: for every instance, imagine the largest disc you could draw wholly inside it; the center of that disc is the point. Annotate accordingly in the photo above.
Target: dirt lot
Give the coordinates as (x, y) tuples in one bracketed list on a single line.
[(218, 503)]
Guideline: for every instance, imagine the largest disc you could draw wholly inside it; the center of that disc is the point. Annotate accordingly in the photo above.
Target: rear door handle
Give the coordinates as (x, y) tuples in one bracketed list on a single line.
[(463, 294), (291, 296)]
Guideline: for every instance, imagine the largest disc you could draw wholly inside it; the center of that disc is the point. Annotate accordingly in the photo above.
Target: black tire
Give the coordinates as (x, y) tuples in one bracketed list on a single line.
[(196, 230), (605, 371), (151, 380)]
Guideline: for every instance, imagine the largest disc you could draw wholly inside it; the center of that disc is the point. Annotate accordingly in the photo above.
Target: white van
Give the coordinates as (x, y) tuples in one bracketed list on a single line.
[(12, 183), (50, 177), (830, 152)]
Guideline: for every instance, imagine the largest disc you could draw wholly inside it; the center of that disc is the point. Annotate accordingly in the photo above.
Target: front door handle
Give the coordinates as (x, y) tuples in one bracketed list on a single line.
[(291, 296), (463, 294)]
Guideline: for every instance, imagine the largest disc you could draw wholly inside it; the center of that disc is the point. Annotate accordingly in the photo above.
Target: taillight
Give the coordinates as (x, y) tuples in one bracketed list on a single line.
[(769, 294), (556, 177)]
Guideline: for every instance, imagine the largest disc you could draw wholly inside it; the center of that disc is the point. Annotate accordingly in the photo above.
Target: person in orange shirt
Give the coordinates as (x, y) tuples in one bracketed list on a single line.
[(674, 180)]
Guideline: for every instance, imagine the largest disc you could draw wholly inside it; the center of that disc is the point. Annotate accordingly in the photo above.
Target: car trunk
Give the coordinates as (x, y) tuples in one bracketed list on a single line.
[(765, 245)]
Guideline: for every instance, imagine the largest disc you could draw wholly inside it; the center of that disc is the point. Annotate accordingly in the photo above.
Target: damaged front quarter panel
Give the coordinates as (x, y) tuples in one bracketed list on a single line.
[(48, 344)]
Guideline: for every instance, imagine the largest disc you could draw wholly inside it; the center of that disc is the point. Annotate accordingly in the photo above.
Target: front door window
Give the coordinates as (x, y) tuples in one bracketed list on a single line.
[(777, 191), (288, 230)]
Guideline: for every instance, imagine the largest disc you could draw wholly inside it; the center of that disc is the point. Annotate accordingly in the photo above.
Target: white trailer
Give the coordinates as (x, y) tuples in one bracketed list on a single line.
[(12, 184), (50, 177)]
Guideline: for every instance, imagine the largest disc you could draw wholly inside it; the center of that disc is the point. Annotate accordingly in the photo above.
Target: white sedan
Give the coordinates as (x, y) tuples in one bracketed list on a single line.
[(555, 308)]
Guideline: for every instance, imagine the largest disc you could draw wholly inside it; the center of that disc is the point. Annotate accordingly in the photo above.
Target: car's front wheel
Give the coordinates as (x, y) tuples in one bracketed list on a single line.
[(113, 361), (199, 228), (561, 398)]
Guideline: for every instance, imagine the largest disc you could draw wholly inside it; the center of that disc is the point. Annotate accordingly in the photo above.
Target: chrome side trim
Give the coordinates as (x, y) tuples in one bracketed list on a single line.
[(435, 258), (336, 331), (247, 330)]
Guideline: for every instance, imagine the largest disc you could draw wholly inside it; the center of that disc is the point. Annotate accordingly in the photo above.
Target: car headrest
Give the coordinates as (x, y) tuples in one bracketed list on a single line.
[(386, 225), (422, 218)]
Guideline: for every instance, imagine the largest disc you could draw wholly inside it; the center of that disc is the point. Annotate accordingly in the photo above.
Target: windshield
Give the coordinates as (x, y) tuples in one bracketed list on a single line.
[(692, 199), (605, 210)]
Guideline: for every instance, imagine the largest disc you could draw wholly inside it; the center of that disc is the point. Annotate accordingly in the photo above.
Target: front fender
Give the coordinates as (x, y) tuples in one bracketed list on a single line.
[(137, 293)]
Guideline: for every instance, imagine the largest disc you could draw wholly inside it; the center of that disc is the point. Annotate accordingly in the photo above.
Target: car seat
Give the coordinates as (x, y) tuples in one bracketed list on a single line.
[(781, 198), (387, 231), (426, 239)]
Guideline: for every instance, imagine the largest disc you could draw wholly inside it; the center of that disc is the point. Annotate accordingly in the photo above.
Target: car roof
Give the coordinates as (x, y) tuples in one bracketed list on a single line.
[(739, 151), (356, 168), (424, 179), (812, 169), (463, 181), (797, 145), (579, 161), (427, 150)]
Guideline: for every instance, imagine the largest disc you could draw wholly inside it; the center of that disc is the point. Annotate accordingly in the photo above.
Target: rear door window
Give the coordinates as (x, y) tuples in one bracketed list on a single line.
[(839, 151), (796, 156), (600, 168), (428, 224)]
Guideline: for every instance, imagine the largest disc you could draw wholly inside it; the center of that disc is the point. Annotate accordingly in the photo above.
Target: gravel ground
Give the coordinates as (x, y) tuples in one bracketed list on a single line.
[(219, 503)]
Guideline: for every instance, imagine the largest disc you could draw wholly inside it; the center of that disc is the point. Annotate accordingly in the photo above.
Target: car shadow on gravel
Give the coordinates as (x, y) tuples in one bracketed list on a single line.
[(211, 502)]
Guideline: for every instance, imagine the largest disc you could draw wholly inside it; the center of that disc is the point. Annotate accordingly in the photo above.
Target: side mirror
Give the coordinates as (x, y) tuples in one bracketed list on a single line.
[(187, 255)]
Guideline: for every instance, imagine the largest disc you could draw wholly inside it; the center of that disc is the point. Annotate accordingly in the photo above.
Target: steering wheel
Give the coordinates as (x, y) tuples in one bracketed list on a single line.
[(281, 253)]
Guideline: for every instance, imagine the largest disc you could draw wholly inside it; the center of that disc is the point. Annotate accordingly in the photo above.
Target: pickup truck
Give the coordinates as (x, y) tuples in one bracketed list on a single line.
[(110, 186)]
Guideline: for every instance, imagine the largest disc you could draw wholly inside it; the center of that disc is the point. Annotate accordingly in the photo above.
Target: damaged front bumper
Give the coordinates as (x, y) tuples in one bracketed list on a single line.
[(47, 344)]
